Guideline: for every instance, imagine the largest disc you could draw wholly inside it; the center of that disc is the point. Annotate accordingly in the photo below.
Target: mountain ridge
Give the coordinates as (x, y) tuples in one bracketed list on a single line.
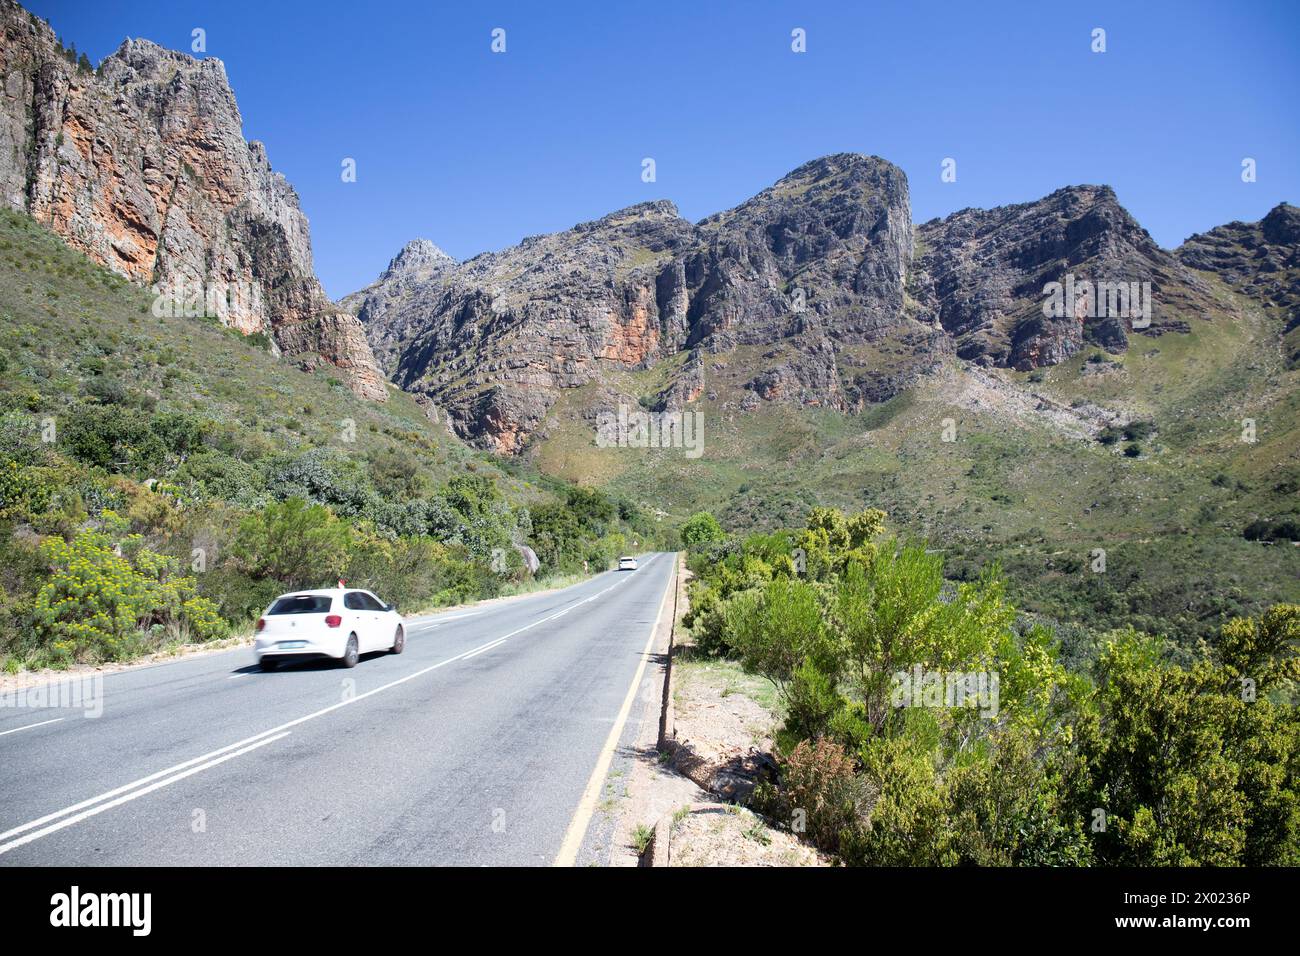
[(142, 165), (824, 268)]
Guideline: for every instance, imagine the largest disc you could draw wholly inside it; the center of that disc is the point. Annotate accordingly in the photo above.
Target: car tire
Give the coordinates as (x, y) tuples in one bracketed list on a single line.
[(268, 663), (399, 640), (350, 653)]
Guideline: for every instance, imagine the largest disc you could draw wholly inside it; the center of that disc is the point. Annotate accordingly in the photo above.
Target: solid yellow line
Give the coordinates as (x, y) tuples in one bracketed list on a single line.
[(573, 837)]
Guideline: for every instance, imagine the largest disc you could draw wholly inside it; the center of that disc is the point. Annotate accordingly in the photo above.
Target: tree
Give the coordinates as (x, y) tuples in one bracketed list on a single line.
[(889, 616), (701, 528), (297, 544)]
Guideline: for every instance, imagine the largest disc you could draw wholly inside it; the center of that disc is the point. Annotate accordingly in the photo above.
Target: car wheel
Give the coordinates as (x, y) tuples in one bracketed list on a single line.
[(350, 655), (399, 640), (268, 663)]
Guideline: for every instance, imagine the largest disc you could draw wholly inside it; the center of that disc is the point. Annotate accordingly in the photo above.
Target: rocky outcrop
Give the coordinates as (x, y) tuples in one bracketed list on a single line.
[(493, 340), (1258, 259), (818, 261), (142, 165), (983, 277), (816, 292)]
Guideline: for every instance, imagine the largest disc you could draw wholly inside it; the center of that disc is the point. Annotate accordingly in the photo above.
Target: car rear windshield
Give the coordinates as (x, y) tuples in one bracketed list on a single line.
[(301, 604)]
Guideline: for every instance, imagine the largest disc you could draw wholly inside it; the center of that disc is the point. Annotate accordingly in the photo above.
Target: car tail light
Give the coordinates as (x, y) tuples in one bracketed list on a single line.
[(333, 620), (261, 624)]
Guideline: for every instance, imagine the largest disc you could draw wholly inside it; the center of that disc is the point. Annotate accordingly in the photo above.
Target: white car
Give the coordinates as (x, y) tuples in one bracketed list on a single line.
[(342, 623), (627, 563)]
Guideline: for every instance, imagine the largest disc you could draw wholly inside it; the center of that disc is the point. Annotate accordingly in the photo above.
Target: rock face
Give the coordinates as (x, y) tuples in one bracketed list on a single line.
[(819, 261), (982, 276), (142, 165), (819, 289), (1258, 259)]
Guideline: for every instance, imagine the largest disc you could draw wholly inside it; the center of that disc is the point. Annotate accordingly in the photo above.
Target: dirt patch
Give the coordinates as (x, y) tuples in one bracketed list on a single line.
[(723, 732), (733, 836)]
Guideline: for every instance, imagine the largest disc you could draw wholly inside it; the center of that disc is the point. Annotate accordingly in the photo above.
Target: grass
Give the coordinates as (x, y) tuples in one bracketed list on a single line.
[(1013, 488), (730, 677), (642, 837), (69, 327)]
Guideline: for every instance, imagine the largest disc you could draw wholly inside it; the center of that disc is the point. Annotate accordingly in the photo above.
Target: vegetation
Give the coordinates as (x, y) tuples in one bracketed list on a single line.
[(927, 722), (161, 479), (1017, 489)]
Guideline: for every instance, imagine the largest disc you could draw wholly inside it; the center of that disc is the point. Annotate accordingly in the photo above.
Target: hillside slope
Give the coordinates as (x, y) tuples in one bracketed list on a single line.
[(142, 165), (917, 371), (151, 470)]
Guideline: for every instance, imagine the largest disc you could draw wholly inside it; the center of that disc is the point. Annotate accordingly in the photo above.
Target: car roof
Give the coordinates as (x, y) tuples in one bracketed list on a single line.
[(323, 592)]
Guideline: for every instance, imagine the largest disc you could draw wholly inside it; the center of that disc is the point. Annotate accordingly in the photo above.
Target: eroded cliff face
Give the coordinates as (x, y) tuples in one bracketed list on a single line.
[(1258, 259), (982, 274), (818, 290), (820, 260), (142, 165)]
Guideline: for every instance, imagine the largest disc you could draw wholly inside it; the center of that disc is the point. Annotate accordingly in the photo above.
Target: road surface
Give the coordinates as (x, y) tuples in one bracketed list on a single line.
[(474, 747)]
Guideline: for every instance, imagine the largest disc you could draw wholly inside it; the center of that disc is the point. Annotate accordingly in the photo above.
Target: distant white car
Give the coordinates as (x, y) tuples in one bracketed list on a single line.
[(627, 563), (342, 623)]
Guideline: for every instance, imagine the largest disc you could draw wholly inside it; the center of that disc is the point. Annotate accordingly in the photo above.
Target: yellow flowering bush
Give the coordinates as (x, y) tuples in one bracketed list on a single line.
[(107, 595)]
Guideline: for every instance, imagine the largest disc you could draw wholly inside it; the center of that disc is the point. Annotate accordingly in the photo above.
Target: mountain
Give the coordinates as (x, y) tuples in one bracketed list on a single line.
[(1260, 260), (823, 273), (982, 274), (142, 165), (819, 259), (839, 355)]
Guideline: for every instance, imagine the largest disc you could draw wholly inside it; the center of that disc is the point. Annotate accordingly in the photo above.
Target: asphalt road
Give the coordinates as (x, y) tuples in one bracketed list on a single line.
[(474, 747)]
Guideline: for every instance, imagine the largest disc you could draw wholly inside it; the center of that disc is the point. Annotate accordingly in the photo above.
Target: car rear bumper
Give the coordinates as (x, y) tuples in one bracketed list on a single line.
[(299, 647)]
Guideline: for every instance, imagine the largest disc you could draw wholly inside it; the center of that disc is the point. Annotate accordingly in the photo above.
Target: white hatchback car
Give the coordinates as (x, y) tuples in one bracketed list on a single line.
[(342, 623), (627, 563)]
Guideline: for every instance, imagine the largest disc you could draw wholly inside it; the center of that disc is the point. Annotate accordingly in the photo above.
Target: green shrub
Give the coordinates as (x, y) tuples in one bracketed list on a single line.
[(700, 529), (294, 543), (821, 795), (98, 604)]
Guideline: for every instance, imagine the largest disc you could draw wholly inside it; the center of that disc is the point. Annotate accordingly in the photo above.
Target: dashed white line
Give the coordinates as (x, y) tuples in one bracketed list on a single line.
[(30, 726)]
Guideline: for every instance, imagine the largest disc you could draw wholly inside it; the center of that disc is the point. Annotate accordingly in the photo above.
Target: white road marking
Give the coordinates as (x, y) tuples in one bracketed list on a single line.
[(438, 622), (30, 726), (88, 808), (134, 795)]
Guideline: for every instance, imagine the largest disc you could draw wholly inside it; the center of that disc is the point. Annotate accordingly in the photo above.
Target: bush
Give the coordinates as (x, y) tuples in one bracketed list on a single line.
[(775, 630), (908, 824), (1189, 767), (821, 796), (1286, 529), (97, 604), (700, 529), (297, 544)]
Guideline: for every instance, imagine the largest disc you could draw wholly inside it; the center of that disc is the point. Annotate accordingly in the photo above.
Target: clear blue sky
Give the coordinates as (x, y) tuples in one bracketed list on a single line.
[(475, 150)]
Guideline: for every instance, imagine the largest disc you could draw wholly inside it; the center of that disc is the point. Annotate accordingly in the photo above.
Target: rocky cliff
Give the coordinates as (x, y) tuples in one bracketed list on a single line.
[(835, 298), (142, 165), (1258, 259), (983, 277), (820, 259)]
